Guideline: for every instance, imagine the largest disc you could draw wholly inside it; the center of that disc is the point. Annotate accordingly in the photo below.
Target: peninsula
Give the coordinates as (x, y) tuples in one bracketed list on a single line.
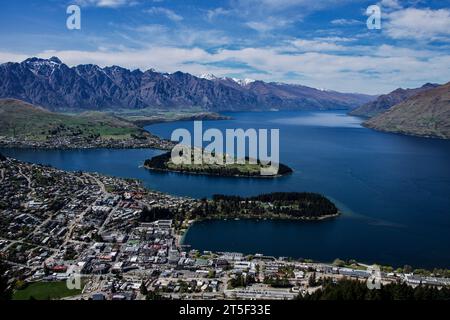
[(273, 206), (23, 125), (277, 205), (104, 228)]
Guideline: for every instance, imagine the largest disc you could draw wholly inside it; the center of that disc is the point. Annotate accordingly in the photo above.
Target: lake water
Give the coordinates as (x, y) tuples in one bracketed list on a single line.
[(393, 190)]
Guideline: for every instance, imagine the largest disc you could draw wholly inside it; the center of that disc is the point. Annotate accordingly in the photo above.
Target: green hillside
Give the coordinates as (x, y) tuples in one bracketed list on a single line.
[(23, 120)]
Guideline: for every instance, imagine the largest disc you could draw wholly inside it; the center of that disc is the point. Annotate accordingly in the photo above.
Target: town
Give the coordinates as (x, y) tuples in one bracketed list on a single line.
[(82, 142), (89, 232)]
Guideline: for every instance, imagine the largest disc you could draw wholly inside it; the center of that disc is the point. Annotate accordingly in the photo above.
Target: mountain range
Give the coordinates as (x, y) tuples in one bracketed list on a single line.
[(426, 114), (54, 85), (386, 101)]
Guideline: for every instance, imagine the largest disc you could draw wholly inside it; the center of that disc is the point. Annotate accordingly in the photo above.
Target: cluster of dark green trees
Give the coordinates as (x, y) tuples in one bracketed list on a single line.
[(279, 204), (156, 213), (278, 196), (356, 290), (158, 162), (278, 282), (241, 281), (273, 205), (5, 286)]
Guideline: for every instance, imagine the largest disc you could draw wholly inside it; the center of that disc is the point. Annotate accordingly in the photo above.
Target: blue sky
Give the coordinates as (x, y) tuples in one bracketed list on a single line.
[(324, 44)]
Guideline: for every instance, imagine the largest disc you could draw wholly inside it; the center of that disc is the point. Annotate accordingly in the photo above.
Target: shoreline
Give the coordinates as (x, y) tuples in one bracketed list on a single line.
[(405, 133), (190, 223), (181, 242), (160, 143), (180, 237), (152, 143), (201, 116), (216, 174), (44, 148)]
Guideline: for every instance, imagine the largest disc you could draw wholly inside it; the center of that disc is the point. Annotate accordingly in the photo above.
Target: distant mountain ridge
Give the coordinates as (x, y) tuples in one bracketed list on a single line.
[(56, 86), (425, 114), (386, 101)]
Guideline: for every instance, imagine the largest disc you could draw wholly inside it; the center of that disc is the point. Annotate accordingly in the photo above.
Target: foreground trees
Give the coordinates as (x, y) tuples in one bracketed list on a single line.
[(5, 287), (356, 290), (287, 205)]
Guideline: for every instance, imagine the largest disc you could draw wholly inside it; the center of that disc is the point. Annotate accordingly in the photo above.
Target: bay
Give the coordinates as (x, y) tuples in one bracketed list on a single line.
[(393, 190)]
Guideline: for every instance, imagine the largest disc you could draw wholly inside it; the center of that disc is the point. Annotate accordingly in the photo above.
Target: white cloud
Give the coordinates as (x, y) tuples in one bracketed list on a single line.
[(217, 12), (376, 70), (268, 24), (161, 35), (316, 45), (268, 15), (421, 24), (346, 22), (12, 57), (166, 12), (390, 4), (279, 5), (106, 3)]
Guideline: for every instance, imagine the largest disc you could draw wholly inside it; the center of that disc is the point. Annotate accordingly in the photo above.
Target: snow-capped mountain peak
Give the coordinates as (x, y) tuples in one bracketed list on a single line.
[(44, 67), (53, 61), (50, 84), (243, 82), (208, 76)]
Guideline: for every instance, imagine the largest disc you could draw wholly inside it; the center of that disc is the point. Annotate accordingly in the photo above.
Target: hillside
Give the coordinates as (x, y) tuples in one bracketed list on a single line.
[(386, 101), (425, 114), (56, 86), (28, 125)]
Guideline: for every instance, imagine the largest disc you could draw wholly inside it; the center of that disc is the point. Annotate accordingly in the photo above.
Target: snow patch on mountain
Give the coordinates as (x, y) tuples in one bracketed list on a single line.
[(208, 76), (243, 82)]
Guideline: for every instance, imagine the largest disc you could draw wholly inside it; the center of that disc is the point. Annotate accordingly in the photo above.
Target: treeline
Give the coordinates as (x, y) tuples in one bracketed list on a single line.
[(155, 213), (278, 282), (276, 196), (356, 290), (5, 285), (158, 162), (280, 204), (241, 281), (284, 169), (283, 205)]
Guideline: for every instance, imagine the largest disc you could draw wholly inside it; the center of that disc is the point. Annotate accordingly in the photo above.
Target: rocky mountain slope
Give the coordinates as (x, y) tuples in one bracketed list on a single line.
[(425, 114), (56, 86), (386, 101)]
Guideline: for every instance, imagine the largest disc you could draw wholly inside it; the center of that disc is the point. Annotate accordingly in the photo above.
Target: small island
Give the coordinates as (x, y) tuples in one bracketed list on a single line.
[(278, 205), (164, 163)]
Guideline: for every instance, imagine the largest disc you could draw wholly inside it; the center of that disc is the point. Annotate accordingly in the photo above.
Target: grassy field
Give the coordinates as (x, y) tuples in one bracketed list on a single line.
[(148, 116), (45, 291), (19, 119)]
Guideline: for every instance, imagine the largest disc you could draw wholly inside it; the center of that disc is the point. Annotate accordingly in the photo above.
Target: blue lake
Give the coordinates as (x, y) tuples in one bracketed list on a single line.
[(393, 190)]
